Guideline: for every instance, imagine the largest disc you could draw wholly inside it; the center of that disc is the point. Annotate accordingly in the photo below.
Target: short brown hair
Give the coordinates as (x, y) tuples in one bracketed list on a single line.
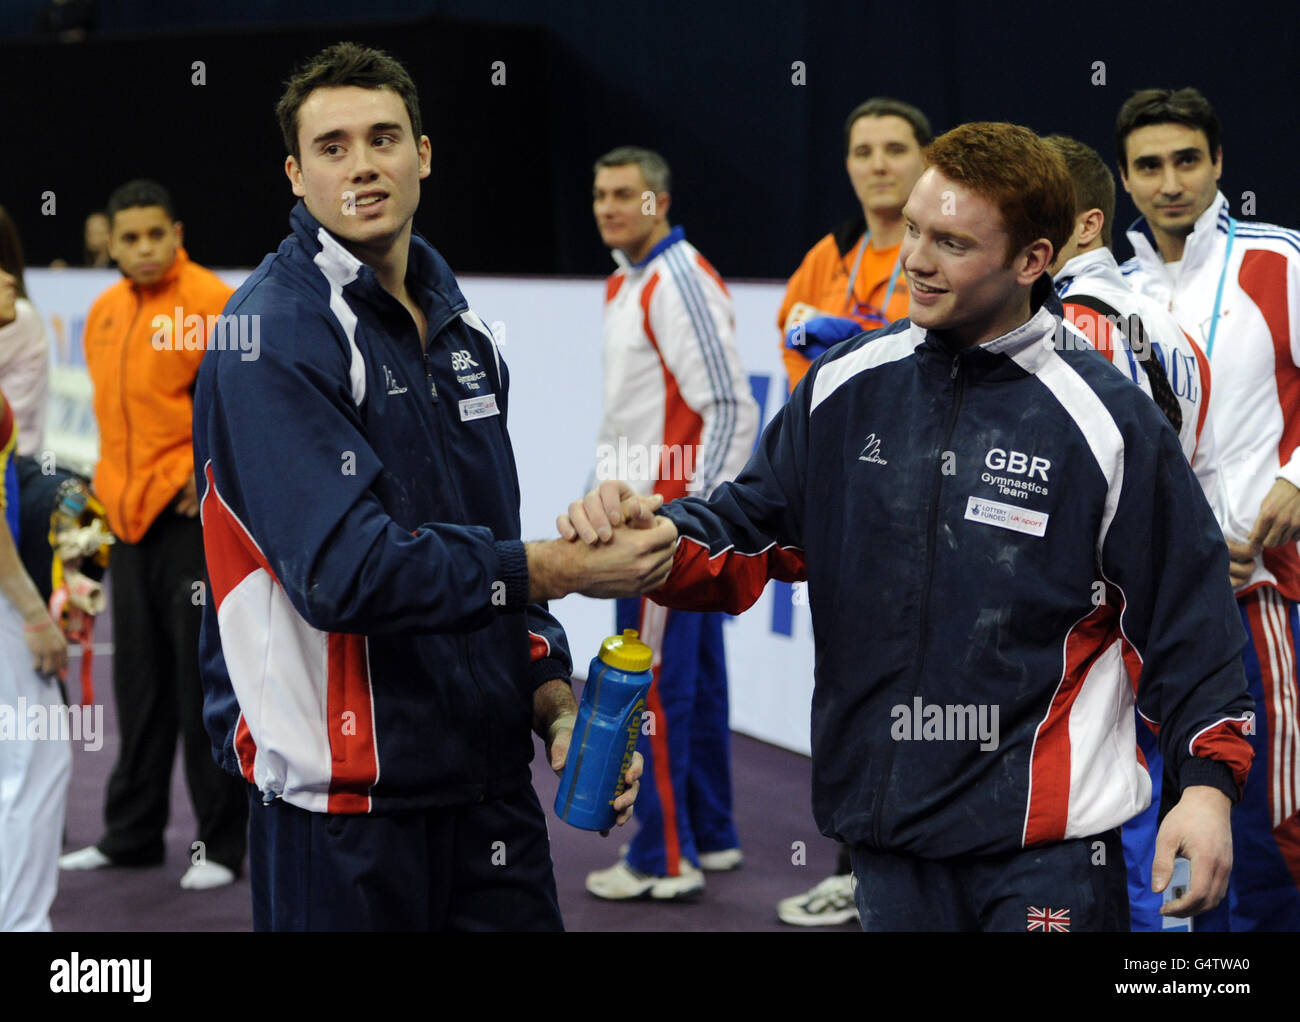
[(1165, 106), (340, 65), (1094, 184), (1010, 166), (654, 168), (883, 106)]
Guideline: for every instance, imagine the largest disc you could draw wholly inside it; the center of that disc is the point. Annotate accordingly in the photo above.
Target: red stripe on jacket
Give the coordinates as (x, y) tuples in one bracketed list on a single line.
[(245, 749), (1203, 370), (682, 426), (229, 549), (730, 581), (1049, 769), (350, 720), (1263, 277)]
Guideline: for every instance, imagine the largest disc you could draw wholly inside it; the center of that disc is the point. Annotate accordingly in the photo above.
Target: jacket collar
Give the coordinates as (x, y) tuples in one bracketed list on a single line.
[(677, 234), (1010, 356), (428, 276), (1210, 229), (1099, 264), (169, 277)]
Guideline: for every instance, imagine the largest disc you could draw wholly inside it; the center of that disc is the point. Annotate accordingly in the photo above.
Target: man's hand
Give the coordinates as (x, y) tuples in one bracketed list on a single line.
[(1279, 517), (45, 642), (558, 738), (1198, 828), (1241, 562), (623, 804), (633, 562), (187, 501), (554, 713), (593, 518)]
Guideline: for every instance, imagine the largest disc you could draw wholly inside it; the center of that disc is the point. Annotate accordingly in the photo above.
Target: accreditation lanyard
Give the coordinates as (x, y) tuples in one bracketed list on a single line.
[(850, 301), (1218, 295)]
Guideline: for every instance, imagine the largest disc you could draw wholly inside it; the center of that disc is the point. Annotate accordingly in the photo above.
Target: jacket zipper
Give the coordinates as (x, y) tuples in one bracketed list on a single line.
[(442, 444), (923, 630), (126, 418)]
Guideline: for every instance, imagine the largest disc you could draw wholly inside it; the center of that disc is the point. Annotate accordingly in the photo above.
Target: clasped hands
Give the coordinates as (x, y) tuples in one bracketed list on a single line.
[(612, 545)]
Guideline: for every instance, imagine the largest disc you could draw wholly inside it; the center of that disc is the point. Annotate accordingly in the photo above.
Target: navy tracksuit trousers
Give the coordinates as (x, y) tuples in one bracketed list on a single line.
[(479, 867), (1077, 885)]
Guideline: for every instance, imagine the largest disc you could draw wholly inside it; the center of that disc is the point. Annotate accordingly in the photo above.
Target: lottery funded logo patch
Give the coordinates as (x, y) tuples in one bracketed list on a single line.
[(1006, 516), (478, 407)]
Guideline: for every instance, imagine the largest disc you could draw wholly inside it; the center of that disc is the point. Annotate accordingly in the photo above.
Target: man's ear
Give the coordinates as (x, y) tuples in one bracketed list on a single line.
[(425, 150), (1035, 258), (663, 201), (294, 173), (180, 232), (1088, 226), (1218, 164)]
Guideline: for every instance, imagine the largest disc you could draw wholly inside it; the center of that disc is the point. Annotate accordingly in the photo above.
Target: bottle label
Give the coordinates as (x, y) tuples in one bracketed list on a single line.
[(633, 732)]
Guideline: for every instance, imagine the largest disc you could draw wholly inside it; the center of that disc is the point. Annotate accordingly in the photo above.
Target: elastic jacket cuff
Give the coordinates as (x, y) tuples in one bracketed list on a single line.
[(514, 572), (1210, 772), (549, 669)]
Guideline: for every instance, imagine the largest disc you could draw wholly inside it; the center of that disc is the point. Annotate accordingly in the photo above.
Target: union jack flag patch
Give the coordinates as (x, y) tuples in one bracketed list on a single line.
[(1048, 920)]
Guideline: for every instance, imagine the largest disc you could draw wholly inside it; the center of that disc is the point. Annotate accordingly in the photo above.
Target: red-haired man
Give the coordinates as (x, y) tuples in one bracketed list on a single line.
[(1033, 528)]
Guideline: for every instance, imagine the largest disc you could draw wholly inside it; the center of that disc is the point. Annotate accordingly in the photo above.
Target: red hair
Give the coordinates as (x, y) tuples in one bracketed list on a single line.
[(1016, 171)]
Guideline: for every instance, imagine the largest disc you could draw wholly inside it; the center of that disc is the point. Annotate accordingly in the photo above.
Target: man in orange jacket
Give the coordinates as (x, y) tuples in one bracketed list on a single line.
[(854, 272), (145, 338)]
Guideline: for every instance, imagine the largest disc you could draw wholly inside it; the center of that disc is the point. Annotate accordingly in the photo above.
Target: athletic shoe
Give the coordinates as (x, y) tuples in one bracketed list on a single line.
[(89, 857), (830, 903), (205, 875), (623, 883), (722, 860)]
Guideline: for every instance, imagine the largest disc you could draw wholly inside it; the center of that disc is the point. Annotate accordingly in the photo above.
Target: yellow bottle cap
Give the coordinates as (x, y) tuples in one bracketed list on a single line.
[(626, 652)]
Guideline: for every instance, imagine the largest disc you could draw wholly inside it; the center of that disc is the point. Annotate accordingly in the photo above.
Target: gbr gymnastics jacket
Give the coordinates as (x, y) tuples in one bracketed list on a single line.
[(1255, 358), (995, 541), (367, 644)]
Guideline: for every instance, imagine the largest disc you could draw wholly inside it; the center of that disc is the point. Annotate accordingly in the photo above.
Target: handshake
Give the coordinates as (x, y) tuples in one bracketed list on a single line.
[(611, 545)]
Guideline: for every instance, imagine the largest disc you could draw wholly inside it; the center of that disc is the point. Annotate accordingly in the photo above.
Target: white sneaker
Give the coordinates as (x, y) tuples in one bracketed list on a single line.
[(722, 860), (85, 858), (623, 883), (204, 875), (830, 903)]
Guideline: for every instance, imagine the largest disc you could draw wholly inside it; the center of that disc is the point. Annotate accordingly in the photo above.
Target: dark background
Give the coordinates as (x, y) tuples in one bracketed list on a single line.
[(757, 160)]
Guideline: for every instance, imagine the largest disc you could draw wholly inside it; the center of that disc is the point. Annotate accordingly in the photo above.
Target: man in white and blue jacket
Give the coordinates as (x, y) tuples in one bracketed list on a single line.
[(374, 651), (999, 533)]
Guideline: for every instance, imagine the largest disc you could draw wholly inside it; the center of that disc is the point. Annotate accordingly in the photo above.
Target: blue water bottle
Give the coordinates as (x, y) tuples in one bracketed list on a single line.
[(605, 735)]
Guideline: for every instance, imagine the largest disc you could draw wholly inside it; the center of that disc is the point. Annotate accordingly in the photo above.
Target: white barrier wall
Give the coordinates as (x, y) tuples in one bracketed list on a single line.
[(550, 335)]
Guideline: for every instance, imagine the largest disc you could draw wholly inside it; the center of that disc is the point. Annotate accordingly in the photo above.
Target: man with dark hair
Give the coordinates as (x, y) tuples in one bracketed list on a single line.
[(853, 273), (143, 351), (376, 648), (1234, 285), (852, 280), (1134, 332), (1033, 526), (676, 394), (1143, 341)]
